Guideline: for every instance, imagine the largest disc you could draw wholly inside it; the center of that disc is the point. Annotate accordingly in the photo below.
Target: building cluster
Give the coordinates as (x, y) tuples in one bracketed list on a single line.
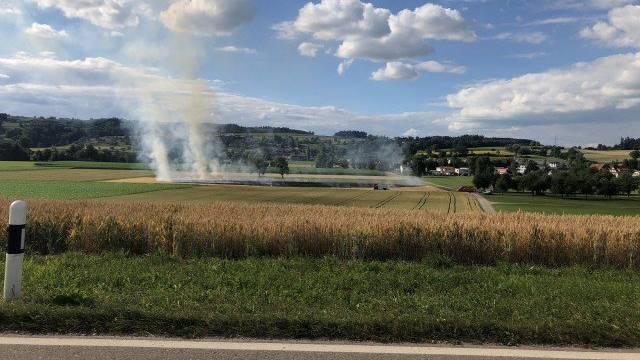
[(615, 170), (452, 171)]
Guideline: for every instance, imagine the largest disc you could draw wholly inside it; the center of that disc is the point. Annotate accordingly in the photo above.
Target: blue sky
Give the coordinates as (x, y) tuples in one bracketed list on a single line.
[(540, 69)]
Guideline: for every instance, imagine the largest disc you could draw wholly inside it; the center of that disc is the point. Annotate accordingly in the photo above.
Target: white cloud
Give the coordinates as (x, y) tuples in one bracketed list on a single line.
[(587, 4), (100, 87), (207, 17), (403, 71), (554, 21), (235, 49), (528, 56), (10, 11), (411, 133), (3, 76), (522, 37), (309, 49), (45, 31), (607, 88), (108, 14), (621, 30), (395, 71), (367, 32), (344, 65)]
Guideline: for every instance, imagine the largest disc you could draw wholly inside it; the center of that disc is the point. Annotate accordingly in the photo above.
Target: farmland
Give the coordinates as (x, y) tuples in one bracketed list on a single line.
[(239, 230), (449, 182), (407, 264), (511, 202), (78, 180), (418, 199), (605, 156)]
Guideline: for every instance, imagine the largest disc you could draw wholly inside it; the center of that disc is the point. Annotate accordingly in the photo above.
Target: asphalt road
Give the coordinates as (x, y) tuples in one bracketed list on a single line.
[(102, 348)]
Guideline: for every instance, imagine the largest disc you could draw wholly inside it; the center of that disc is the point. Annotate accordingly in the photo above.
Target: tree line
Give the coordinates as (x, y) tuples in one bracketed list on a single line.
[(578, 179)]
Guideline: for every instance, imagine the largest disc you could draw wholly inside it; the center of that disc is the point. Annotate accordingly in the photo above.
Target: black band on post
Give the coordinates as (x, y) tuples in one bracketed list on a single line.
[(15, 243)]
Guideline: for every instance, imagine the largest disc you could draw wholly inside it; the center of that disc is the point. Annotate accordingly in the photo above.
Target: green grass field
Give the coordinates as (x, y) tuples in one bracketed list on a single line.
[(606, 156), (556, 205), (325, 298), (74, 190), (449, 182)]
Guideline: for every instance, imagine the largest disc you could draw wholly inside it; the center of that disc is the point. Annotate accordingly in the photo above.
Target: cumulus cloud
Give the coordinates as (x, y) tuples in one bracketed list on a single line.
[(411, 133), (108, 14), (367, 32), (403, 71), (607, 87), (522, 37), (309, 49), (100, 87), (207, 17), (235, 49), (45, 31), (621, 30)]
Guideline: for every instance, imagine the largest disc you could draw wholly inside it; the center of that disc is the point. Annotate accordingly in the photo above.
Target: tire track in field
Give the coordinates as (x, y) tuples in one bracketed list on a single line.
[(452, 203), (387, 200), (419, 204), (423, 201)]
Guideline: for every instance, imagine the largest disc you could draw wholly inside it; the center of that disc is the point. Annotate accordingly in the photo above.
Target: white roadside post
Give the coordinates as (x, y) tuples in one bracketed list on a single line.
[(15, 250)]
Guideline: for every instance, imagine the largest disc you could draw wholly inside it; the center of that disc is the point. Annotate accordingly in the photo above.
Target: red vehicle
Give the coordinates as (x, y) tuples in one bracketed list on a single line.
[(467, 189)]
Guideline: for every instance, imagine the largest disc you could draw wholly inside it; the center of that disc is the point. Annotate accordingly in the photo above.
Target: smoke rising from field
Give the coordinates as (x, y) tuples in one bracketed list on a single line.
[(172, 116)]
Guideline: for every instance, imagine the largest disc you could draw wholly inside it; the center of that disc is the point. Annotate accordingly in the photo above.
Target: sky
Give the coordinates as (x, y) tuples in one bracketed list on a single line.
[(565, 71)]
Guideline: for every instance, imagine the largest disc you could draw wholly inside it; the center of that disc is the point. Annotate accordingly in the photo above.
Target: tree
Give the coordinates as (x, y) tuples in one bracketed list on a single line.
[(282, 165), (12, 151), (627, 183), (261, 165), (504, 183), (343, 163), (537, 182), (484, 179), (606, 184), (461, 150), (635, 154), (531, 167), (586, 184)]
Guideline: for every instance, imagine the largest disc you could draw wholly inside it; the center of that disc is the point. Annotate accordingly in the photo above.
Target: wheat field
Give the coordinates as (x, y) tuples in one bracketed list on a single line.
[(240, 230)]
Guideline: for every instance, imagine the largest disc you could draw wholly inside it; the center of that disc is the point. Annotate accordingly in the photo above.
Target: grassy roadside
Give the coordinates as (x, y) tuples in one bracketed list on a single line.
[(325, 298)]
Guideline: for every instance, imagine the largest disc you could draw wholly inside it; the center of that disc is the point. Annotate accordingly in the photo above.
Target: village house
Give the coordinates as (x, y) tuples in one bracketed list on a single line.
[(463, 171), (446, 170), (502, 170)]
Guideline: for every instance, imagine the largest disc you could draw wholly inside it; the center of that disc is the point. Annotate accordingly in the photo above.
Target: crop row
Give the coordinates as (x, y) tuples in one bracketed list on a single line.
[(241, 230)]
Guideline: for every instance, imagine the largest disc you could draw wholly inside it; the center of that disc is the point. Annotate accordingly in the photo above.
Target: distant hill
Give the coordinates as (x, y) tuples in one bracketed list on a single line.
[(114, 139)]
